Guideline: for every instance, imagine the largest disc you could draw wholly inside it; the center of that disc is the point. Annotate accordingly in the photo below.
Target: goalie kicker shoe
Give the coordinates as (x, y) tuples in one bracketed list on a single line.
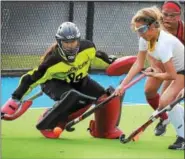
[(178, 144), (160, 129)]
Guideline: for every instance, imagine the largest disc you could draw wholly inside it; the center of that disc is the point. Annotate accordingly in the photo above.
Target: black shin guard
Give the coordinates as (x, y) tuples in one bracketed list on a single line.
[(61, 109)]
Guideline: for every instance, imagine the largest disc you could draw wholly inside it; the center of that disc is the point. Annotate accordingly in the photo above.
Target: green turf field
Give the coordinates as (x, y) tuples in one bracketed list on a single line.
[(21, 140), (30, 61)]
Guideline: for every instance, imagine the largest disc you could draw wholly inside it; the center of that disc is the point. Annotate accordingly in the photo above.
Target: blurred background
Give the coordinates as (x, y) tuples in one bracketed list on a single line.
[(29, 28)]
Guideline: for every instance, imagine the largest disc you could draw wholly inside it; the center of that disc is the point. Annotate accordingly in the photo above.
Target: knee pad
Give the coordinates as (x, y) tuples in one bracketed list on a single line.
[(106, 120), (62, 109)]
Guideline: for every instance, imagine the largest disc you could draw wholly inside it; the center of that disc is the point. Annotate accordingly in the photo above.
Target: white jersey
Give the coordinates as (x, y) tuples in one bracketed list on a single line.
[(167, 47)]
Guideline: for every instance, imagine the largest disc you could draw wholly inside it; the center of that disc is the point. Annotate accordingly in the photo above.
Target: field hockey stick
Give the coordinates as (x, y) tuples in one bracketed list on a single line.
[(134, 136), (24, 106), (69, 125)]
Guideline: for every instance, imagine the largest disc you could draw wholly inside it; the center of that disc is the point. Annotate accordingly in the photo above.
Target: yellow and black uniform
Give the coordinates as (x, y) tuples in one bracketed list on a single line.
[(56, 75), (63, 76)]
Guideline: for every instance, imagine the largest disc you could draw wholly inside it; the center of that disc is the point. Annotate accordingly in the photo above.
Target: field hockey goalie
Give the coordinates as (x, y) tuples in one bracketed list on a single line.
[(65, 110)]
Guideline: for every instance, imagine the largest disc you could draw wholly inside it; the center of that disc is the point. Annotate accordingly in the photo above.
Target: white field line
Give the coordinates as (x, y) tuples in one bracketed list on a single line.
[(125, 104)]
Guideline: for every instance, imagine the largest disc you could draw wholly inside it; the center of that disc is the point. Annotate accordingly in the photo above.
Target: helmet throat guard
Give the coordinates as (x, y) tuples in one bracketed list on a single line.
[(69, 55)]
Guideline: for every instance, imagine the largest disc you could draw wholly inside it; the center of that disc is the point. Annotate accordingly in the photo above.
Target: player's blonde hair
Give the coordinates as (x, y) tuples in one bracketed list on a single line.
[(148, 15)]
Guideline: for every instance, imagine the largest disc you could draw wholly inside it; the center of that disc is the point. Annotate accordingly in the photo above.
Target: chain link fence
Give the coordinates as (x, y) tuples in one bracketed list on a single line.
[(29, 28)]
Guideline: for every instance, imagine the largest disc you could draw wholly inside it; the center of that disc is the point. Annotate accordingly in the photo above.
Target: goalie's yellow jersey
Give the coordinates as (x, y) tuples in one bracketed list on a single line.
[(55, 67)]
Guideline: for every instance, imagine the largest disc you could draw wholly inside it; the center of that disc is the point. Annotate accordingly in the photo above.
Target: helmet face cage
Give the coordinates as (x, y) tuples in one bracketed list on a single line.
[(68, 32)]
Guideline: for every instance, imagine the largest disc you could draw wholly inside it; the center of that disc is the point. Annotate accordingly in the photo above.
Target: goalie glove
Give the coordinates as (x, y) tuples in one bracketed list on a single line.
[(112, 58), (10, 107)]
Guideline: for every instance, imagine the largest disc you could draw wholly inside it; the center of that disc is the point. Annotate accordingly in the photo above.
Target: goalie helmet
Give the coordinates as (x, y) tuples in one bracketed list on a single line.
[(67, 33)]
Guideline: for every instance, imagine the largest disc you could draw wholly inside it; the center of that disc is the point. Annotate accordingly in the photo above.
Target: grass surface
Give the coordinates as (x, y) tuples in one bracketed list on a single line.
[(21, 140), (19, 61), (31, 61)]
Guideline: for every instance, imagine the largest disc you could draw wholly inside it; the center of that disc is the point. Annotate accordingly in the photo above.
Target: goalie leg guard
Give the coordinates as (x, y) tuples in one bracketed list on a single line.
[(48, 133), (71, 105), (106, 120)]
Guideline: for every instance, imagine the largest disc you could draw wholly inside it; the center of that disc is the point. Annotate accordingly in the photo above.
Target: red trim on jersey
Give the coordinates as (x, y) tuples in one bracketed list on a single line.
[(180, 32)]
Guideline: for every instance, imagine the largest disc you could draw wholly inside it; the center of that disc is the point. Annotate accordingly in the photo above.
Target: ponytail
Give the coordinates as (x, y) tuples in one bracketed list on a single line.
[(48, 51)]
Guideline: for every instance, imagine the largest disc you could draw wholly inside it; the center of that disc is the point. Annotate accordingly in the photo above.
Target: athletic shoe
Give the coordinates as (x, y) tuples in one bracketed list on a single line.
[(160, 129), (178, 144)]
